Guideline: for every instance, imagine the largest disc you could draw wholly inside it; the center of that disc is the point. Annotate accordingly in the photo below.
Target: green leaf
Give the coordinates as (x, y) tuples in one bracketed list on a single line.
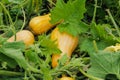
[(69, 67), (10, 78), (10, 62), (100, 34), (104, 63), (31, 56), (15, 1), (14, 51), (2, 40), (45, 68), (104, 32), (16, 45), (70, 14), (48, 46), (63, 60), (87, 45)]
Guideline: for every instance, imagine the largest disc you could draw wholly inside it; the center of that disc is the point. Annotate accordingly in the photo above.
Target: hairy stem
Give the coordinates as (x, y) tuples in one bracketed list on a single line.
[(1, 16), (89, 76), (95, 10), (10, 19), (10, 73), (23, 20), (113, 21)]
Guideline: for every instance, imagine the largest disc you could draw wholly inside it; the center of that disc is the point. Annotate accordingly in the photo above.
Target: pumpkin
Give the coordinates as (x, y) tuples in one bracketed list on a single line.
[(24, 35), (40, 24), (66, 78), (113, 48), (65, 42)]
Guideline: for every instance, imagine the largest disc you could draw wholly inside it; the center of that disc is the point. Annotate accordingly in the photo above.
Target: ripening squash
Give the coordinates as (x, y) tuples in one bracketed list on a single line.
[(24, 35), (113, 48), (40, 24), (65, 42), (66, 78)]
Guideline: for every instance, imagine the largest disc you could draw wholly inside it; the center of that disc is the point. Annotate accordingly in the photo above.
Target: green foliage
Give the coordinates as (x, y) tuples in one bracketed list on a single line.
[(71, 68), (48, 46), (14, 51), (34, 62), (104, 63), (32, 57), (69, 14), (10, 62), (103, 34)]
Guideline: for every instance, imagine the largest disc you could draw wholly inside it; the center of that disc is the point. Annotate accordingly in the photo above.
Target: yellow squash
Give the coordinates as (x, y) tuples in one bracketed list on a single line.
[(26, 36), (65, 42), (113, 48), (66, 78), (40, 24)]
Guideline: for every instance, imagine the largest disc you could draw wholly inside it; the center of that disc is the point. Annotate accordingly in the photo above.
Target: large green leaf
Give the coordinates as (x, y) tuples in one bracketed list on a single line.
[(14, 50), (70, 13), (10, 62), (104, 63)]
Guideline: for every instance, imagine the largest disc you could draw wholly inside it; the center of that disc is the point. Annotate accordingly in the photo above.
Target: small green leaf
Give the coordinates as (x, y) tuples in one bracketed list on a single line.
[(31, 56), (48, 46), (87, 45), (2, 40), (63, 60), (46, 71)]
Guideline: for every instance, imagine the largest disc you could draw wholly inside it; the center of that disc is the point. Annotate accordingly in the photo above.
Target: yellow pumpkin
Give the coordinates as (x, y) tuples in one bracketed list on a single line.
[(65, 42), (113, 48), (40, 24), (24, 35), (66, 78)]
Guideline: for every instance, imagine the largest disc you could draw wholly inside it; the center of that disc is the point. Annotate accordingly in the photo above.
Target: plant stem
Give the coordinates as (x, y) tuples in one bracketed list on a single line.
[(38, 4), (95, 10), (24, 3), (10, 19), (114, 37), (51, 2), (89, 76), (119, 3), (95, 46), (113, 21), (31, 76), (34, 69), (10, 73), (1, 16), (24, 19)]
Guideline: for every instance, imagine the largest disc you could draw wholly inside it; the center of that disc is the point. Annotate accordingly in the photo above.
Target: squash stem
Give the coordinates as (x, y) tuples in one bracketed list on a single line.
[(1, 16), (95, 10), (10, 19), (34, 69), (10, 73), (24, 19), (89, 76), (113, 21)]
